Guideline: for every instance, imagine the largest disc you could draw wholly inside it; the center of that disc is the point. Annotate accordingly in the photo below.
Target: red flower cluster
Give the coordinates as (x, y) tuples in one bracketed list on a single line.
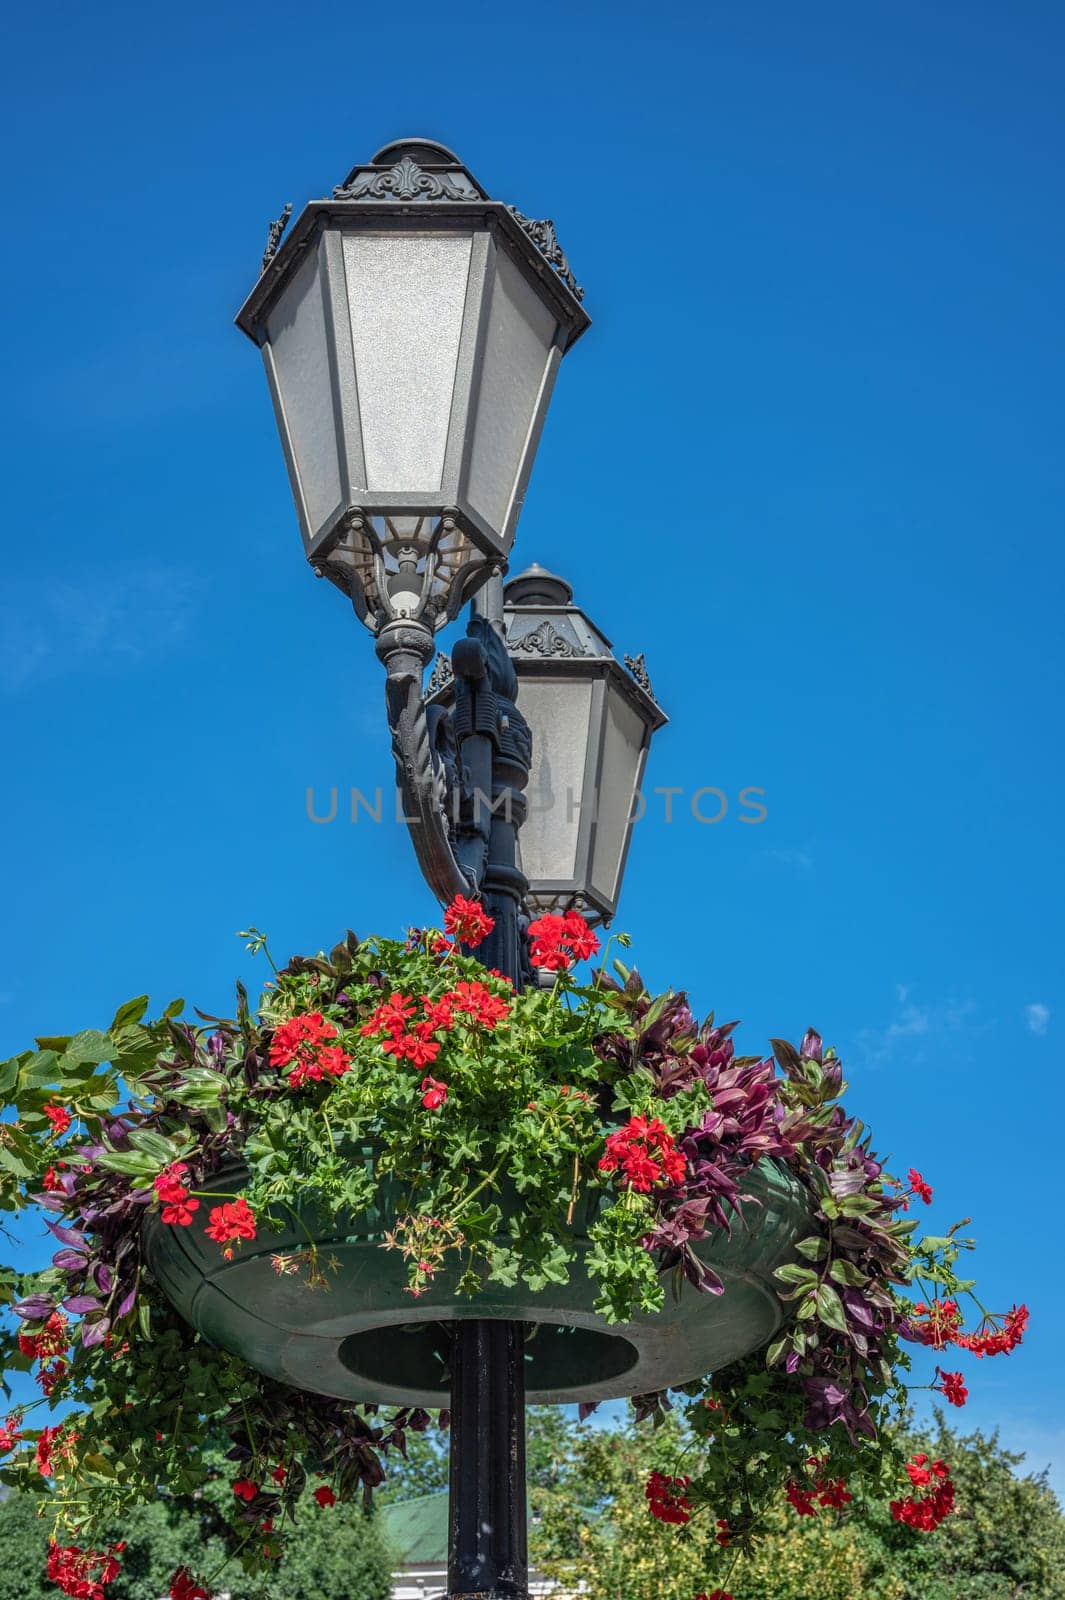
[(9, 1432), (183, 1586), (666, 1500), (83, 1573), (234, 1219), (478, 1002), (325, 1496), (51, 1447), (245, 1490), (435, 1094), (178, 1204), (60, 1119), (49, 1341), (927, 1511), (919, 1187), (724, 1532), (646, 1154), (943, 1323), (941, 1326), (467, 921), (302, 1041), (52, 1181), (718, 1594), (559, 941), (953, 1387), (999, 1341), (823, 1492), (414, 1041)]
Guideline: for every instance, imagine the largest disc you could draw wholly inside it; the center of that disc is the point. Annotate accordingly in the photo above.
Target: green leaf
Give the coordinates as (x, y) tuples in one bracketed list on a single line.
[(775, 1351), (40, 1069), (847, 1273), (174, 1009), (154, 1145), (814, 1249), (129, 1163), (132, 1011), (90, 1047), (830, 1308), (792, 1272)]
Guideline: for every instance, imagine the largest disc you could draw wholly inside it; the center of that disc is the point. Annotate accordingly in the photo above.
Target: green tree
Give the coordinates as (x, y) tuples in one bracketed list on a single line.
[(1005, 1542), (332, 1554)]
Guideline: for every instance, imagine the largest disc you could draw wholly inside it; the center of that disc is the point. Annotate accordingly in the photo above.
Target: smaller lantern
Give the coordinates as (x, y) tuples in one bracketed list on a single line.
[(591, 722)]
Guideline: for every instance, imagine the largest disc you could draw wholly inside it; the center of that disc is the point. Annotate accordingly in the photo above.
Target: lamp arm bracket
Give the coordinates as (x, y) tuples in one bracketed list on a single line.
[(426, 765)]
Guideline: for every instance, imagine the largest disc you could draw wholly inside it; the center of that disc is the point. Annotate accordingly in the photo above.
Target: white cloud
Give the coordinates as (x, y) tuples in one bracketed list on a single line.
[(1037, 1016), (914, 1028), (49, 628)]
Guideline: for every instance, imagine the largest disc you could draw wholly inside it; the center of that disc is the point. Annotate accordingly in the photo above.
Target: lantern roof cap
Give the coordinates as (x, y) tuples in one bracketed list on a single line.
[(536, 586), (416, 182)]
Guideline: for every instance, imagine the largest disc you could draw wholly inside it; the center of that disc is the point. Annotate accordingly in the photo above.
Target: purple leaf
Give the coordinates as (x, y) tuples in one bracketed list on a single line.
[(35, 1308), (80, 1303), (128, 1302), (69, 1261), (77, 1241), (103, 1277), (95, 1332)]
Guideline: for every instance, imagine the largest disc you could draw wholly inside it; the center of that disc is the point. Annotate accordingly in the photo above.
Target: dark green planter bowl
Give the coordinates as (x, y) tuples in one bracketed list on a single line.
[(365, 1338)]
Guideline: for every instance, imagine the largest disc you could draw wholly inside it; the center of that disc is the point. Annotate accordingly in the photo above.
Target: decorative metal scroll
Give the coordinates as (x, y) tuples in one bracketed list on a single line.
[(273, 238), (638, 667), (546, 641), (545, 239), (406, 181)]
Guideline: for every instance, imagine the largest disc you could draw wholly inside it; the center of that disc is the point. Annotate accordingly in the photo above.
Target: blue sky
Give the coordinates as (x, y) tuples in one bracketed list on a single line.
[(808, 458)]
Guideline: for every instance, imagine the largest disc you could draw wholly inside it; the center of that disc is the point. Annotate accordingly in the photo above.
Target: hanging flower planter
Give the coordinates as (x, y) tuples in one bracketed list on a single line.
[(266, 1228), (361, 1336)]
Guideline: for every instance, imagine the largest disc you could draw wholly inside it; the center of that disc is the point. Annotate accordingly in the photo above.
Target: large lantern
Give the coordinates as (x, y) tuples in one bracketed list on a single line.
[(411, 329)]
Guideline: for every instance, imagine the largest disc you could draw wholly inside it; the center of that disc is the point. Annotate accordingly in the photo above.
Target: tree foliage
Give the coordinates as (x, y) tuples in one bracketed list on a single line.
[(591, 1523)]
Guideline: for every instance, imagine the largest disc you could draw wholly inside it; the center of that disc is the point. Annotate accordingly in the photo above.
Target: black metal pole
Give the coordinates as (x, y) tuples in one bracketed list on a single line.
[(487, 1535), (488, 1552)]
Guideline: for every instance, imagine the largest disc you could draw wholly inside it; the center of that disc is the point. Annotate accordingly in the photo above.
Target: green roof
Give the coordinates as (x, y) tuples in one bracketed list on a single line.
[(416, 1529)]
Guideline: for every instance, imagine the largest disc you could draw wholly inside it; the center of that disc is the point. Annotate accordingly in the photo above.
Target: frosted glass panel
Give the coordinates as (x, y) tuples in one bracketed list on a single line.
[(558, 715), (621, 755), (521, 331), (406, 297), (297, 338)]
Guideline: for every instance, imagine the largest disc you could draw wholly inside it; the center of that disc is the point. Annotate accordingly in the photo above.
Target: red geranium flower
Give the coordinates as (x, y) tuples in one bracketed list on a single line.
[(9, 1433), (435, 1094), (301, 1042), (60, 1119), (558, 941), (953, 1387), (919, 1187), (234, 1219), (477, 1001), (646, 1153), (468, 921), (83, 1573), (997, 1341), (325, 1496), (666, 1499), (245, 1490), (183, 1586), (927, 1511)]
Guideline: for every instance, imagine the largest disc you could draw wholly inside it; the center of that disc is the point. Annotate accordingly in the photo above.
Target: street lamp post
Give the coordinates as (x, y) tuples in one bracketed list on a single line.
[(411, 328)]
